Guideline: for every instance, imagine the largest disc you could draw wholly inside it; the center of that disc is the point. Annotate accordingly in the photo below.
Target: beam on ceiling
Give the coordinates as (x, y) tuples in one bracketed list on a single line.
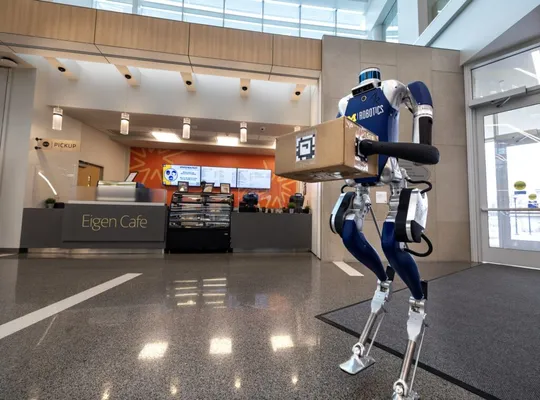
[(69, 68), (131, 74)]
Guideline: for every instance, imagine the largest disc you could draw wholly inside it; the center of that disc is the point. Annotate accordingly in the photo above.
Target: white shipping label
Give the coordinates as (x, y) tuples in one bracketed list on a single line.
[(305, 146)]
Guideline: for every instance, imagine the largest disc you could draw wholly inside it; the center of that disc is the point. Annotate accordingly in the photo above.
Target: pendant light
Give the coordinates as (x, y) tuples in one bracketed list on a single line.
[(124, 124), (243, 132), (186, 130), (58, 116)]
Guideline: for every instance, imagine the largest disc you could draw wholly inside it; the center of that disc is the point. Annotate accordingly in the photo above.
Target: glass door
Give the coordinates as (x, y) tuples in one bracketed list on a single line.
[(509, 181)]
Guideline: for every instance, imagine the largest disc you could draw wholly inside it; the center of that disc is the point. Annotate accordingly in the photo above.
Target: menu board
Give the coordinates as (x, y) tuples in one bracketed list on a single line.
[(219, 175), (254, 178), (172, 174)]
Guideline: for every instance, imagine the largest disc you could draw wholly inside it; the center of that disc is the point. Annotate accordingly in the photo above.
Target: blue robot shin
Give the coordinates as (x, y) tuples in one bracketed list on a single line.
[(375, 105)]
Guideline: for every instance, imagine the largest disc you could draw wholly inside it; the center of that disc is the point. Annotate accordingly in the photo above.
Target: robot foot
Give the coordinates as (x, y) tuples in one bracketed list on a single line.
[(411, 396), (360, 360), (357, 364)]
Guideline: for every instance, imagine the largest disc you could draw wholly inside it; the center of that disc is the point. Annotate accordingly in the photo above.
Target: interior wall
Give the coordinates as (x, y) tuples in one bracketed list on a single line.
[(61, 168), (498, 15), (149, 164), (15, 156), (313, 195), (3, 97), (448, 220)]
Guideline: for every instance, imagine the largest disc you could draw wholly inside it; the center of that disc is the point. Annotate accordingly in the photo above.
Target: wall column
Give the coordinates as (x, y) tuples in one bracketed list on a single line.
[(14, 169), (448, 220), (412, 19)]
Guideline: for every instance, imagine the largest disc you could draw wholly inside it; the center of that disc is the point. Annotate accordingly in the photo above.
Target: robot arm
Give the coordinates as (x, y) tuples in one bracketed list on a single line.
[(342, 106), (421, 105)]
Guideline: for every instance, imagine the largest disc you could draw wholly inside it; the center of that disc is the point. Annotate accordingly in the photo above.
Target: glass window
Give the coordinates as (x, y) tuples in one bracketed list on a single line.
[(435, 7), (202, 19), (281, 30), (316, 33), (390, 25), (215, 6), (80, 3), (512, 144), (522, 69), (281, 11), (238, 24), (318, 16), (351, 20), (244, 8), (168, 9), (124, 6)]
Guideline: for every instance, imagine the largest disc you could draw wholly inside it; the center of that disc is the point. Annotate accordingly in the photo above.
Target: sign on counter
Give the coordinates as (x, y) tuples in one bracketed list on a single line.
[(113, 223)]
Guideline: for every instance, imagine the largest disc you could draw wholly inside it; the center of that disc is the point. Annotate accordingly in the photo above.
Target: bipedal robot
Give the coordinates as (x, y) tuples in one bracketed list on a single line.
[(375, 104)]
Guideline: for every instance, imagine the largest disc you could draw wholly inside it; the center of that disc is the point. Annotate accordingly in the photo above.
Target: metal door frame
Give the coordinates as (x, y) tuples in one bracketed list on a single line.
[(501, 255), (473, 162)]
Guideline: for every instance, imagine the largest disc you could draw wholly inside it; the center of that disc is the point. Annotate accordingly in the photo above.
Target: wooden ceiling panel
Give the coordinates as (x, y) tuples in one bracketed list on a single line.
[(296, 52), (63, 22), (230, 44), (142, 33)]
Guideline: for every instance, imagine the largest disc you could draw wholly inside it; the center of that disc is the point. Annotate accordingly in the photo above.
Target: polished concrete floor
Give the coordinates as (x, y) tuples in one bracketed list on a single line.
[(235, 326)]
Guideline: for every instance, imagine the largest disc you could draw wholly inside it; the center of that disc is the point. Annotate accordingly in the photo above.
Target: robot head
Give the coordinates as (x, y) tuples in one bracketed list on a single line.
[(368, 79)]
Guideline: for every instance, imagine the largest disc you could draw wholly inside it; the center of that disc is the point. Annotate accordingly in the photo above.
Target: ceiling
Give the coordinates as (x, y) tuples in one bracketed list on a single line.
[(261, 136), (525, 30)]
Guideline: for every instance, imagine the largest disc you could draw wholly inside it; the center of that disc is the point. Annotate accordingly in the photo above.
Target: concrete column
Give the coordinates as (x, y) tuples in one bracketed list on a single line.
[(376, 33), (412, 19), (15, 156)]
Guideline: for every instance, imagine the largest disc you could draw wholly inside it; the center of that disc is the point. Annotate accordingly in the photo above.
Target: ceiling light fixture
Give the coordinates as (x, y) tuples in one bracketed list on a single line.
[(243, 132), (186, 130), (227, 141), (166, 137), (58, 116), (124, 124)]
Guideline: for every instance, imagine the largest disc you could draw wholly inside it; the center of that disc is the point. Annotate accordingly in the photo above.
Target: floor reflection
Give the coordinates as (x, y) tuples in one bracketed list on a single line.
[(193, 327)]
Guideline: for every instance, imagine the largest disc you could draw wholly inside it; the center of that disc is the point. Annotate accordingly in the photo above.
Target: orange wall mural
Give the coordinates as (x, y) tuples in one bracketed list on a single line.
[(148, 163)]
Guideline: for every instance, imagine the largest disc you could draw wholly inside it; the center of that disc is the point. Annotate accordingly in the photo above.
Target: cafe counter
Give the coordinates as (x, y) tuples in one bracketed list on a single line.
[(137, 226)]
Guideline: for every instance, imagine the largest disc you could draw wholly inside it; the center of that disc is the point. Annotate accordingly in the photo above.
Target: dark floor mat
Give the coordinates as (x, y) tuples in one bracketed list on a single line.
[(484, 329)]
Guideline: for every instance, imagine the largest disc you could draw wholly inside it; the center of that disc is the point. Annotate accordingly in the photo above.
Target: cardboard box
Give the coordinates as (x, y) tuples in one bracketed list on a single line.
[(325, 152)]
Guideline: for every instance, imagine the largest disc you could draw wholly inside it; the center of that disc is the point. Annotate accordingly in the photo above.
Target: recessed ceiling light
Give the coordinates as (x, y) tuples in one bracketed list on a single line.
[(166, 137), (227, 141)]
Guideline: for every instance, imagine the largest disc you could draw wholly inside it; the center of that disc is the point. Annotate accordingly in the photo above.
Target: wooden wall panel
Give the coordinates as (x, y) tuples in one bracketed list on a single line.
[(15, 16), (47, 20), (144, 33), (230, 44), (296, 52), (59, 21)]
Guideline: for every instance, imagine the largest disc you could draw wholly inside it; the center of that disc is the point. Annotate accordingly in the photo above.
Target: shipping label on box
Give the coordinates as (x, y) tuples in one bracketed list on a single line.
[(305, 147)]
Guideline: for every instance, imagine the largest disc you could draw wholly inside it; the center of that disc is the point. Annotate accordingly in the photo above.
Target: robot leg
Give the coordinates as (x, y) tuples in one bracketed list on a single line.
[(350, 211), (406, 267)]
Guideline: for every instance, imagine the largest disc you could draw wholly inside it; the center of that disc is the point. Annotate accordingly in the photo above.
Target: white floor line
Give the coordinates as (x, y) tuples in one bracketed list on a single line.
[(7, 255), (347, 268), (18, 324)]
